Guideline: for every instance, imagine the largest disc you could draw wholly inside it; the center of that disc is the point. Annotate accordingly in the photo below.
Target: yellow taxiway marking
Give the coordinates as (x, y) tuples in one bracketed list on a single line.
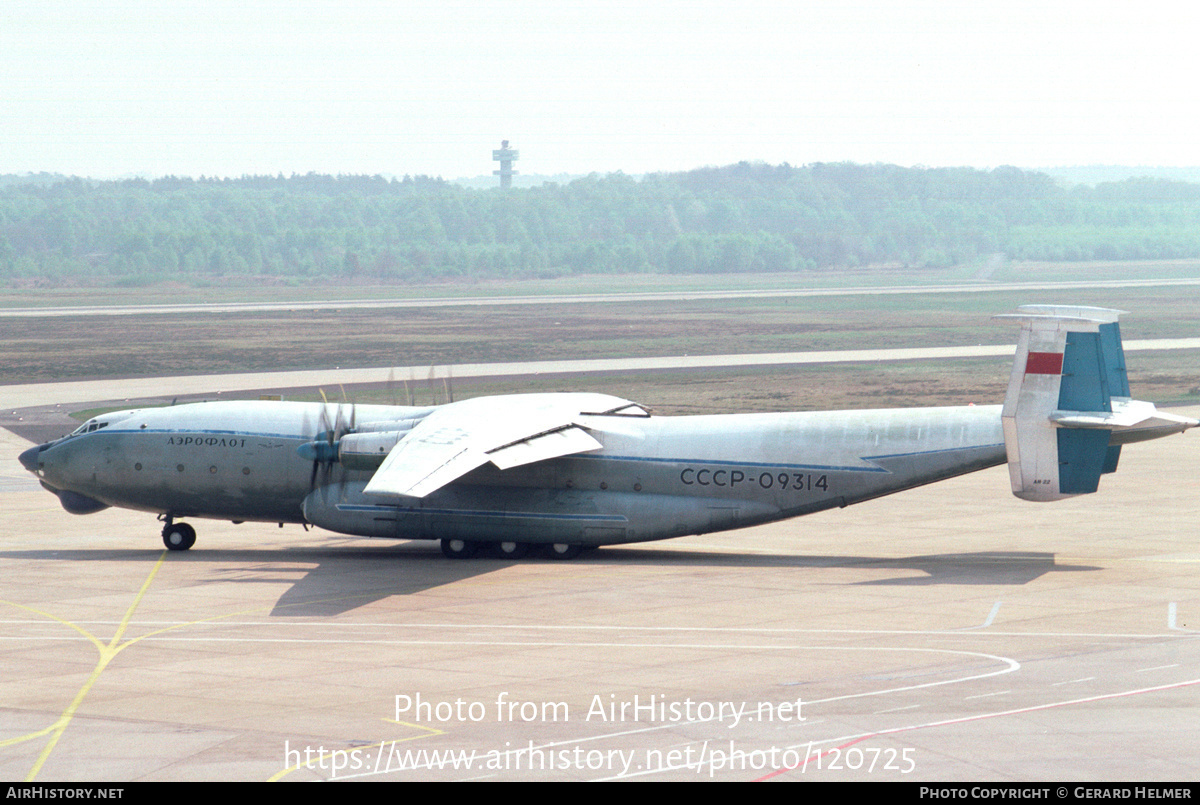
[(107, 653), (114, 647)]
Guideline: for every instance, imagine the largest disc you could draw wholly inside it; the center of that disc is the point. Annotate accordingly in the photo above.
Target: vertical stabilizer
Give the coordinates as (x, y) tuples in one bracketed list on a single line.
[(1068, 359), (1068, 410)]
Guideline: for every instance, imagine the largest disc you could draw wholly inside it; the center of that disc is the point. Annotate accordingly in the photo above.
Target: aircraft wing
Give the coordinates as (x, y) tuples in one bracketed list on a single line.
[(507, 431)]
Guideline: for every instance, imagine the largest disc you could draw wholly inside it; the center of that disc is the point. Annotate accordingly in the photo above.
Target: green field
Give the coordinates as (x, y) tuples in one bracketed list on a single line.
[(269, 289)]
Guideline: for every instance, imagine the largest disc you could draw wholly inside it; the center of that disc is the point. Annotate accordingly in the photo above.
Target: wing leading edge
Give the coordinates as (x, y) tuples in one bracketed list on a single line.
[(508, 431)]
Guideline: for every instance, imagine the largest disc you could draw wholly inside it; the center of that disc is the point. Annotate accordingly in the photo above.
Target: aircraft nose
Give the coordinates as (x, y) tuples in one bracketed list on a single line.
[(29, 459)]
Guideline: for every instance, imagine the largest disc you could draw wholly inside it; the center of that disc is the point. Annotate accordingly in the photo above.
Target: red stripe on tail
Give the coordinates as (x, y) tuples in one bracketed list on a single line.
[(1044, 363)]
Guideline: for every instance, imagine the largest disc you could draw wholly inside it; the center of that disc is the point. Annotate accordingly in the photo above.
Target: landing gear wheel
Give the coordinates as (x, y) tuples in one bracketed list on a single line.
[(512, 550), (561, 550), (459, 548), (179, 536)]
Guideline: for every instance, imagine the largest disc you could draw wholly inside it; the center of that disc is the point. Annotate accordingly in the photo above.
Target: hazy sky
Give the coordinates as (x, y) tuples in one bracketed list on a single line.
[(107, 88)]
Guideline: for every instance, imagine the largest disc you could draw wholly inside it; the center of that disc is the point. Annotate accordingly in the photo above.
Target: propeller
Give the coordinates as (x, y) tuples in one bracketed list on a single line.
[(447, 385), (322, 451), (391, 387)]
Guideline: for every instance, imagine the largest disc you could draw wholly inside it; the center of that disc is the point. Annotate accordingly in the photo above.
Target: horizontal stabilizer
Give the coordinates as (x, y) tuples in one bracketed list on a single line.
[(1129, 421)]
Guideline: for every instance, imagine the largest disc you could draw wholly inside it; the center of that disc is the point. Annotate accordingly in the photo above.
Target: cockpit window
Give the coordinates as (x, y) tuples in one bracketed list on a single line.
[(88, 427)]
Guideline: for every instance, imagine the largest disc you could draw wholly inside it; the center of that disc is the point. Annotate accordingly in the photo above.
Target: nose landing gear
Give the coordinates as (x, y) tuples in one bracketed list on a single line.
[(178, 536)]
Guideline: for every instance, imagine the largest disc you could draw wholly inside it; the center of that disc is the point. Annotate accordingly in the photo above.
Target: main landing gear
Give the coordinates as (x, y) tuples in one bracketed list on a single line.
[(465, 549), (178, 536), (512, 550), (459, 548), (560, 550)]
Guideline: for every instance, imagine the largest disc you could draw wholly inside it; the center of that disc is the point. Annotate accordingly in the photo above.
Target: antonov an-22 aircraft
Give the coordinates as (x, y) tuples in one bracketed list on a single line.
[(564, 472)]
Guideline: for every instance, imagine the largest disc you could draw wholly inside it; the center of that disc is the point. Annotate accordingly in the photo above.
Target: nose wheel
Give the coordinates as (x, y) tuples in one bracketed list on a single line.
[(178, 536)]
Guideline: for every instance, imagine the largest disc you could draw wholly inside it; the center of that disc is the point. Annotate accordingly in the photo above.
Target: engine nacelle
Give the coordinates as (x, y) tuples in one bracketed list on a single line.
[(366, 451)]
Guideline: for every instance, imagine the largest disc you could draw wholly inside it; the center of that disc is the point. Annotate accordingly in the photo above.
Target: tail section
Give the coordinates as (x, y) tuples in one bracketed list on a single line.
[(1068, 410)]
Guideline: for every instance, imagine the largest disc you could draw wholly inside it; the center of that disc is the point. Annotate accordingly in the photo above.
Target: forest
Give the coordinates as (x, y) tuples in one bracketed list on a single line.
[(748, 217)]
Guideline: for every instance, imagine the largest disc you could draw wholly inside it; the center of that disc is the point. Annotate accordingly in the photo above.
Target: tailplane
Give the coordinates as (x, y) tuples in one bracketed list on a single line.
[(1068, 409)]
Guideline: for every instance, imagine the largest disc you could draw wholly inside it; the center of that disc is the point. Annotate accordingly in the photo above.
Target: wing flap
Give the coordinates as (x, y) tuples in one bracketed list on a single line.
[(548, 445)]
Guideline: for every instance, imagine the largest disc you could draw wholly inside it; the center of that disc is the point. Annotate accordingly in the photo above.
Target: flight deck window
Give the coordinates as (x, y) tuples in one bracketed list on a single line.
[(88, 427)]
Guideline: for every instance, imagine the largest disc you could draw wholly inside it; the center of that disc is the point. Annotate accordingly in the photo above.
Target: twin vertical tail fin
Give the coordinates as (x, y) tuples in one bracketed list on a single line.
[(1068, 409)]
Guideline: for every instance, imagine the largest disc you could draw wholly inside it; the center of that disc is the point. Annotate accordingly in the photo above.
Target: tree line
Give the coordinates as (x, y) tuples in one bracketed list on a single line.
[(749, 217)]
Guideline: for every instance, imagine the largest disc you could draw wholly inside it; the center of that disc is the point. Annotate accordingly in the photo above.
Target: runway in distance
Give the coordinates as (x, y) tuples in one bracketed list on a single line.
[(564, 472)]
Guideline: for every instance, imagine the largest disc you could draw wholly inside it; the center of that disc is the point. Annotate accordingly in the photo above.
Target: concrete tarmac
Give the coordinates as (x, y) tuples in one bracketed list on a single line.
[(950, 633)]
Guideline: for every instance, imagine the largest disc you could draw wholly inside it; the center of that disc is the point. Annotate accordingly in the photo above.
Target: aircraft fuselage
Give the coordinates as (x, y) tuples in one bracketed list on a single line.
[(653, 478)]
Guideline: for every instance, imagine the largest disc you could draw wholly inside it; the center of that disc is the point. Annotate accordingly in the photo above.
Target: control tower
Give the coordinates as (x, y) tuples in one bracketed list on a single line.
[(506, 157)]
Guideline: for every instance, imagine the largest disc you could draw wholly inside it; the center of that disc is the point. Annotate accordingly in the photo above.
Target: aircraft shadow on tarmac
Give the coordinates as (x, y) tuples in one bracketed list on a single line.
[(329, 581)]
